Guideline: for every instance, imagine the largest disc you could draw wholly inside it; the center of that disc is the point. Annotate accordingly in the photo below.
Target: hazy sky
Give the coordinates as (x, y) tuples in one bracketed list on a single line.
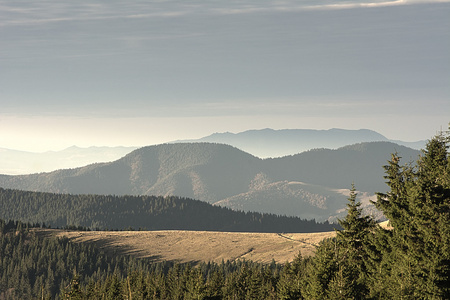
[(136, 73)]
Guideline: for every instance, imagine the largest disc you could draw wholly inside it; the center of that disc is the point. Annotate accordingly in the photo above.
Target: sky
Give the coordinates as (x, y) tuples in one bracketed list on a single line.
[(137, 73)]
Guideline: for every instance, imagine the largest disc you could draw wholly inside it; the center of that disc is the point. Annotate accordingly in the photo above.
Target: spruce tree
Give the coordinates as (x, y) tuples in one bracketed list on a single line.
[(320, 272), (430, 206), (355, 227), (350, 279), (289, 283), (416, 255)]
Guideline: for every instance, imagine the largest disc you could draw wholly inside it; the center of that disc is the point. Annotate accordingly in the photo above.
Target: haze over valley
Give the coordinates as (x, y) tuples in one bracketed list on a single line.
[(263, 143)]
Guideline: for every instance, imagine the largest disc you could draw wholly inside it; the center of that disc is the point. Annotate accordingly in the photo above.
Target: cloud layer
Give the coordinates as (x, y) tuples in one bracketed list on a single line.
[(269, 62), (16, 13)]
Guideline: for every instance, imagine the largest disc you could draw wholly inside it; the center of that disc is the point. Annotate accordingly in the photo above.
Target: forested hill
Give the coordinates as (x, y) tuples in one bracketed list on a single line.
[(359, 163), (141, 212), (308, 185), (156, 170)]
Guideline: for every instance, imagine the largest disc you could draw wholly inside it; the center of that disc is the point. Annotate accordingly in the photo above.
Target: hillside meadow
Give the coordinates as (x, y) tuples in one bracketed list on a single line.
[(195, 246)]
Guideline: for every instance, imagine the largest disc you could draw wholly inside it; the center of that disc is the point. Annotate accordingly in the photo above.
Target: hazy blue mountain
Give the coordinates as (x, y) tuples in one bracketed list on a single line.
[(276, 143), (361, 163), (14, 162), (261, 143), (202, 171), (313, 184)]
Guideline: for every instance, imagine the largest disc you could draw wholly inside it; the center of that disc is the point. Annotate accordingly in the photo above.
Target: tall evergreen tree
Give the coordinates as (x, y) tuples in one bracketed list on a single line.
[(355, 227), (416, 256), (350, 279)]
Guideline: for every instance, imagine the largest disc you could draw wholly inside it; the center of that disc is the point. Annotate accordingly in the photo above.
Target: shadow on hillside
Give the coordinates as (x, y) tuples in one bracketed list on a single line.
[(109, 244)]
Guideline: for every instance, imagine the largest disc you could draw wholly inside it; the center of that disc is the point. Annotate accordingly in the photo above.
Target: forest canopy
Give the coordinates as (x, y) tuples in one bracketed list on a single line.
[(142, 212)]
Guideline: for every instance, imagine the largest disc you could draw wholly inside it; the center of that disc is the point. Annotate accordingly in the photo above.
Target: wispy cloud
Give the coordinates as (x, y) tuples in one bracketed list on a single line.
[(306, 6), (45, 20), (36, 13), (374, 4)]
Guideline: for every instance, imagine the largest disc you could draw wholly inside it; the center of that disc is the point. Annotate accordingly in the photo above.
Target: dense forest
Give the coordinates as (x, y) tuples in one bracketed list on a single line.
[(410, 260), (142, 212)]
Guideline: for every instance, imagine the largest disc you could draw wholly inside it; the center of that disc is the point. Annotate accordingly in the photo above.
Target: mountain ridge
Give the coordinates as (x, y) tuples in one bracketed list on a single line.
[(306, 185), (263, 143), (272, 143)]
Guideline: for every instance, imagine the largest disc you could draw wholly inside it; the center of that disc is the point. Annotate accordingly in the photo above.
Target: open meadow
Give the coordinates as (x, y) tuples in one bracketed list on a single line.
[(195, 246)]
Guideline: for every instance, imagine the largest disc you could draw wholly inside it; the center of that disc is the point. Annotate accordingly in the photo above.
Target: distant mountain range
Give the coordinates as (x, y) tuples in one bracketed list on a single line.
[(312, 184), (266, 143), (262, 143)]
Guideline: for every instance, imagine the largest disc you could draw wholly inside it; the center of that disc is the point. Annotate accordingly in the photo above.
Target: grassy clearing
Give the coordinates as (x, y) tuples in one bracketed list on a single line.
[(195, 246)]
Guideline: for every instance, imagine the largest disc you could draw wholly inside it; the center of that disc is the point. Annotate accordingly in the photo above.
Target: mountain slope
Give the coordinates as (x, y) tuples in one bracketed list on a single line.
[(360, 163), (308, 185), (200, 170)]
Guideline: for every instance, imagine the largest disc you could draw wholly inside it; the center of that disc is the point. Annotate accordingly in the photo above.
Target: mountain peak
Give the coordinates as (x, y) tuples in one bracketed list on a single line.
[(269, 142)]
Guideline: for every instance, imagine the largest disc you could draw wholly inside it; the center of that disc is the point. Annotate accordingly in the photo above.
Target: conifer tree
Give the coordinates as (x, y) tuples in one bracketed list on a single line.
[(195, 285), (351, 276), (416, 256), (74, 290), (290, 282), (321, 270), (355, 227), (342, 286)]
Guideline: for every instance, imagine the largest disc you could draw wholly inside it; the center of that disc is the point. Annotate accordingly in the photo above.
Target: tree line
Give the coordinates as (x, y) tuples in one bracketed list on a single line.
[(142, 212)]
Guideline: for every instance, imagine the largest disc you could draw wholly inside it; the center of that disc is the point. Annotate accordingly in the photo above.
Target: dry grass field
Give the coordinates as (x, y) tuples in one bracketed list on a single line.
[(196, 246)]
